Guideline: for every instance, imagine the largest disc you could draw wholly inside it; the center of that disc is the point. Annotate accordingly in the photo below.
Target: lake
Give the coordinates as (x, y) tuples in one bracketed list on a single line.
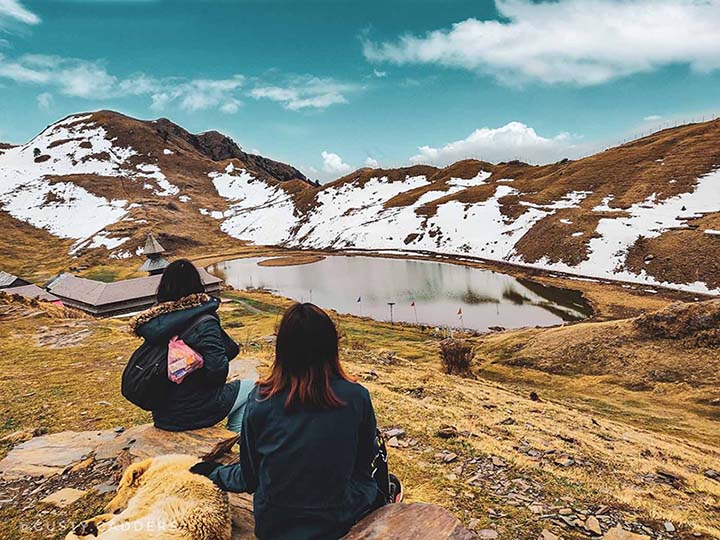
[(444, 294)]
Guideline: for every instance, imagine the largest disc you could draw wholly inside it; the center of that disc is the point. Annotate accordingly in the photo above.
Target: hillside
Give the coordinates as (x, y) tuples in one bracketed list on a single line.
[(638, 212), (644, 212), (533, 439), (101, 181)]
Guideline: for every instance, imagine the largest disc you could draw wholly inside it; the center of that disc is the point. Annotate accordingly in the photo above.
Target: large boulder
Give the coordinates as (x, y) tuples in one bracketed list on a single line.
[(241, 511), (416, 521), (146, 441)]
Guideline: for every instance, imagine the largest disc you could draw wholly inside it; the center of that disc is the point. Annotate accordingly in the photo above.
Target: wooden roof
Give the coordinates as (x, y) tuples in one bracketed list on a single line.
[(152, 246), (98, 293), (154, 264)]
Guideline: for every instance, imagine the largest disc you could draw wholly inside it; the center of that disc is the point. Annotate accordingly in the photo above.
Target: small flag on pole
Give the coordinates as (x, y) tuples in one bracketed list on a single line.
[(460, 312), (413, 304), (359, 299)]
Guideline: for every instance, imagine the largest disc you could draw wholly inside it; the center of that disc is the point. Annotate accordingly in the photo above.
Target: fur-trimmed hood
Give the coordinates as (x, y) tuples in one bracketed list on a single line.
[(166, 320)]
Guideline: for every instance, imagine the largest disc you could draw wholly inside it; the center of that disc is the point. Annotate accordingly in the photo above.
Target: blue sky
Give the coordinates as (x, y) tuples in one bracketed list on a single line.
[(332, 85)]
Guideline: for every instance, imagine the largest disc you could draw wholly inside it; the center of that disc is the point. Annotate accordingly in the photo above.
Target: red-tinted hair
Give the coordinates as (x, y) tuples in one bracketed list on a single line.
[(306, 359)]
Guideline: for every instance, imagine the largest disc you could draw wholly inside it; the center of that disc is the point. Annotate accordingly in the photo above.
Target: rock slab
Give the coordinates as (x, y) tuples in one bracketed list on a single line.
[(64, 498), (146, 441), (241, 511), (49, 455), (618, 533), (416, 521)]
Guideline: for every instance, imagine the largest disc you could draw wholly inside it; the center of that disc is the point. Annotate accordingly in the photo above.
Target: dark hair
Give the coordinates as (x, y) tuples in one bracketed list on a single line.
[(306, 359), (180, 279)]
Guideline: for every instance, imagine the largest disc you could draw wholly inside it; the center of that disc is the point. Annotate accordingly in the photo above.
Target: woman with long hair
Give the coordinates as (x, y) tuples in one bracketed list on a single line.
[(308, 441), (204, 397)]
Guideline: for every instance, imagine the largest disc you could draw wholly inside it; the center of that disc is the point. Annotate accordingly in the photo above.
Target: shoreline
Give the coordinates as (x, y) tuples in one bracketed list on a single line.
[(609, 299)]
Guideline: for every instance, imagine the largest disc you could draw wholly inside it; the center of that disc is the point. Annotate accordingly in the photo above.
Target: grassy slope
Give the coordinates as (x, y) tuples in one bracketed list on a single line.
[(612, 433)]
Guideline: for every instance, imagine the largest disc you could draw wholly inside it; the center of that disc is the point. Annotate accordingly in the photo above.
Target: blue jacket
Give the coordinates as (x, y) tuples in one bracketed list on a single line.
[(203, 398), (310, 470)]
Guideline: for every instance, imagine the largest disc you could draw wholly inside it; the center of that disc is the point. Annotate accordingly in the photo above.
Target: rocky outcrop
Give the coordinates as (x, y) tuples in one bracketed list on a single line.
[(415, 521), (53, 456), (696, 323), (219, 147)]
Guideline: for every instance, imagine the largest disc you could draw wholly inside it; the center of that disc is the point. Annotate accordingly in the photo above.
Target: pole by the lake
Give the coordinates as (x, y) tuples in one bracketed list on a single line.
[(391, 304)]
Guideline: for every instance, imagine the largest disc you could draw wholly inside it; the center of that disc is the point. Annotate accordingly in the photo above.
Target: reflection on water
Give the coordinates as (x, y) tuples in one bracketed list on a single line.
[(444, 294)]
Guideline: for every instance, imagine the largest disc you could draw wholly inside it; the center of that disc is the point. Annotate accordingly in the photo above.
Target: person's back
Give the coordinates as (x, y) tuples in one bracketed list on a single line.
[(308, 439), (314, 466), (203, 397)]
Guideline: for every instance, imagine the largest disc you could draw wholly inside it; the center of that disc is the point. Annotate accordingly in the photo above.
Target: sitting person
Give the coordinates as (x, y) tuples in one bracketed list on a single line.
[(203, 398), (309, 448)]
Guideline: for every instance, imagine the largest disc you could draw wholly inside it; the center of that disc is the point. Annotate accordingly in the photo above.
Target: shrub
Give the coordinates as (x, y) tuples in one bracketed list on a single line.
[(456, 355)]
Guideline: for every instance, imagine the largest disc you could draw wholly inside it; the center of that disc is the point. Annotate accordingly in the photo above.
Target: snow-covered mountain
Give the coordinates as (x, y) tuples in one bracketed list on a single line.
[(103, 180), (645, 212)]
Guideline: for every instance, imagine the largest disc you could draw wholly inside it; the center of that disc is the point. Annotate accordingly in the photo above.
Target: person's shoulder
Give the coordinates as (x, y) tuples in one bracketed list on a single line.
[(257, 404), (351, 389)]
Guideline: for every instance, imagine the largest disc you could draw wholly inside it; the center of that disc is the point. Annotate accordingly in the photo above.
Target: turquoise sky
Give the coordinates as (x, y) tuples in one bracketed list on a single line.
[(329, 85)]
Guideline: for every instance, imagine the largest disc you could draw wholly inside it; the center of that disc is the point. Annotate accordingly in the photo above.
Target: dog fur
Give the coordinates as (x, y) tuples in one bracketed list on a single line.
[(160, 499)]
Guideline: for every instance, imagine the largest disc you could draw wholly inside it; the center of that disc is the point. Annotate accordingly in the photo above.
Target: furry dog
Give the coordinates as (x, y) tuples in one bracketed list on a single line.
[(160, 499)]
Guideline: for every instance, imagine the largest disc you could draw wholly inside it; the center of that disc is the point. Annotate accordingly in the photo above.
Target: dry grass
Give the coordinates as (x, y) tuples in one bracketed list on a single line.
[(614, 435)]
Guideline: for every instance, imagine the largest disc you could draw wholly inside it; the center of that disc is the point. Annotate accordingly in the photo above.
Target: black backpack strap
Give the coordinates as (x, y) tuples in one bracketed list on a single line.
[(197, 321), (380, 471)]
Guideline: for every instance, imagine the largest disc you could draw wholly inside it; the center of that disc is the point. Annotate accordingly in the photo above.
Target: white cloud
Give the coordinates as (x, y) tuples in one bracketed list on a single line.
[(581, 42), (306, 92), (511, 141), (197, 94), (372, 163), (379, 74), (90, 79), (653, 118), (45, 101), (13, 10), (75, 77), (333, 164)]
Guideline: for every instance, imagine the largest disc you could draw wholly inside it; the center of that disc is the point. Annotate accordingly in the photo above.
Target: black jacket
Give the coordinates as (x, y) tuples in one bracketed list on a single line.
[(310, 470), (203, 398)]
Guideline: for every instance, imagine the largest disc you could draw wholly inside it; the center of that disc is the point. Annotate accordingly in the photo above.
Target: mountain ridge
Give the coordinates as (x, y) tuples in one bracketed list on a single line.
[(637, 212)]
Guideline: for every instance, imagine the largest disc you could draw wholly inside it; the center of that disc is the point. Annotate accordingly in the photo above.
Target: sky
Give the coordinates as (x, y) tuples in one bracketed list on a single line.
[(333, 85)]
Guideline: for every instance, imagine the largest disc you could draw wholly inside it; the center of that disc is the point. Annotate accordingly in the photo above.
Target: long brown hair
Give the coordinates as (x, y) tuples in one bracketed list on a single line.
[(306, 359)]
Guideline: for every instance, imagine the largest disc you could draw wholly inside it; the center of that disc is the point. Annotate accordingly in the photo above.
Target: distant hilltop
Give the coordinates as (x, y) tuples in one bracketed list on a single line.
[(92, 186)]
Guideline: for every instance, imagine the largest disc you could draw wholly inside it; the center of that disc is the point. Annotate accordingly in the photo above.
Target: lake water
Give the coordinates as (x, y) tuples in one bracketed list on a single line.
[(444, 294)]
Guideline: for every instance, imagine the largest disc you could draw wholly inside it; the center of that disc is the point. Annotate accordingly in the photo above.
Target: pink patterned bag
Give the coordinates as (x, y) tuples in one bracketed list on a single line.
[(182, 360)]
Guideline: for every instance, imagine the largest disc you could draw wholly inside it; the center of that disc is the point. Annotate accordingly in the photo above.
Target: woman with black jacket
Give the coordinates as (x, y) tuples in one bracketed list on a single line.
[(309, 448), (203, 398)]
